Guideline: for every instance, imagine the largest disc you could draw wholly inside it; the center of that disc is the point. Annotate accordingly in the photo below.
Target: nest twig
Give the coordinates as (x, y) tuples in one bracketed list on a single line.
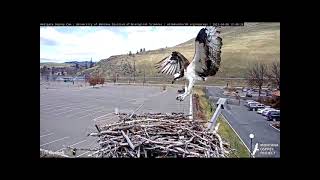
[(158, 135)]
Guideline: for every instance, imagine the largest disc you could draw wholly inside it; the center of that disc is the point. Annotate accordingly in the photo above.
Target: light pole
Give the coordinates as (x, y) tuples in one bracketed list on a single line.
[(251, 137)]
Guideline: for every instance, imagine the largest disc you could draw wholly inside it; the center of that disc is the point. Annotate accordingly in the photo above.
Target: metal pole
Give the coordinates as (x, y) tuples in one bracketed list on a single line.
[(251, 147), (191, 108), (215, 117)]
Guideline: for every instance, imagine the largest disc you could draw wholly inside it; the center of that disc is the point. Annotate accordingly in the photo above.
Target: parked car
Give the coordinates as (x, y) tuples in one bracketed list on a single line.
[(273, 115), (248, 94), (260, 106), (260, 111), (265, 112), (252, 106), (180, 91), (255, 106), (251, 102)]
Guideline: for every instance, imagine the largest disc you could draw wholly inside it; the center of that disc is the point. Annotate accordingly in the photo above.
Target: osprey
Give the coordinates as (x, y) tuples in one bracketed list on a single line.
[(205, 62)]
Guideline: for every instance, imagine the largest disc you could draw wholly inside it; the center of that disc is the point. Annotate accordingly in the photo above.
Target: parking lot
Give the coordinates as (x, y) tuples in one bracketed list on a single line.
[(69, 112), (245, 122)]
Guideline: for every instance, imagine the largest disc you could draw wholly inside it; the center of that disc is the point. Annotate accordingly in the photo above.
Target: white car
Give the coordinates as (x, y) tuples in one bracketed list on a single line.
[(260, 111), (249, 101), (265, 112), (252, 106), (252, 102), (260, 106)]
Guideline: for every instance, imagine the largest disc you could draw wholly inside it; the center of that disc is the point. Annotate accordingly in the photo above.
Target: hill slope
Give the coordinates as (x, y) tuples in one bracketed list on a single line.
[(254, 42)]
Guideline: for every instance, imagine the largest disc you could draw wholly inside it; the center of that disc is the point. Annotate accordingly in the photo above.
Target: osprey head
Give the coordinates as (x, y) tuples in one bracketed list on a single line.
[(174, 55)]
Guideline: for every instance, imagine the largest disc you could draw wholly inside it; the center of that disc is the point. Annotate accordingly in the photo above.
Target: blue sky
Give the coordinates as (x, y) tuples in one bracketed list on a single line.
[(68, 43)]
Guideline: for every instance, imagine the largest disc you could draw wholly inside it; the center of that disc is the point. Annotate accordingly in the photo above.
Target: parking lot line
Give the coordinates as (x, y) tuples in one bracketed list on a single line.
[(93, 109), (63, 107), (101, 116), (54, 141), (111, 117), (72, 145), (93, 141), (83, 153), (92, 114), (46, 135), (274, 127), (83, 109)]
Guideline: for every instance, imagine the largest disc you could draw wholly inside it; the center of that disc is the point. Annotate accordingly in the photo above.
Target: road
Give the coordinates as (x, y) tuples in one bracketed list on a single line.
[(69, 112), (245, 122)]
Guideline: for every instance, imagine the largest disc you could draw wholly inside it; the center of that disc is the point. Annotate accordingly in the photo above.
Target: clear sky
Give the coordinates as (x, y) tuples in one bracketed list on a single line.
[(81, 43)]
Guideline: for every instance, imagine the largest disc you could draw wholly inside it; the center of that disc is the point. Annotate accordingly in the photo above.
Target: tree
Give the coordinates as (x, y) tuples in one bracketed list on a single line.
[(137, 52), (86, 78), (92, 82), (77, 66), (114, 78), (91, 64), (43, 70), (144, 49), (130, 53), (96, 79), (141, 50), (102, 81), (256, 75), (274, 74)]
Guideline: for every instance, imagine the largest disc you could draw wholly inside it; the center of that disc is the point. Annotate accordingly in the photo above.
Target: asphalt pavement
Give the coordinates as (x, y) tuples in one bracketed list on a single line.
[(69, 112), (245, 122)]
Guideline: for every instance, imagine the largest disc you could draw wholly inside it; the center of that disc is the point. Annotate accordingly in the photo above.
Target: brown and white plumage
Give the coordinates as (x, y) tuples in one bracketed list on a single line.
[(205, 63), (175, 64)]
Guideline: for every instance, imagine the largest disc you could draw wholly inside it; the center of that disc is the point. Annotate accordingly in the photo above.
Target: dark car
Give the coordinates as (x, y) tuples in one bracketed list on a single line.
[(180, 91), (248, 94), (273, 115)]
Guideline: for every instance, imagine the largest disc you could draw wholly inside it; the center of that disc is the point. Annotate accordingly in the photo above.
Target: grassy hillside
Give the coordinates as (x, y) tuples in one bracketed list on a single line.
[(254, 42)]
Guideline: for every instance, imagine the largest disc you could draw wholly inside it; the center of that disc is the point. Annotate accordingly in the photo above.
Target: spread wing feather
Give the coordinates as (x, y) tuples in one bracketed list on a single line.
[(208, 45), (174, 63)]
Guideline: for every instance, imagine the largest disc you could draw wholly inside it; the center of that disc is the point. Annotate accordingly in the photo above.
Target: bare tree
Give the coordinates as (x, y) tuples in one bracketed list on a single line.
[(114, 78), (256, 75), (102, 80), (93, 81), (91, 63), (274, 74)]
